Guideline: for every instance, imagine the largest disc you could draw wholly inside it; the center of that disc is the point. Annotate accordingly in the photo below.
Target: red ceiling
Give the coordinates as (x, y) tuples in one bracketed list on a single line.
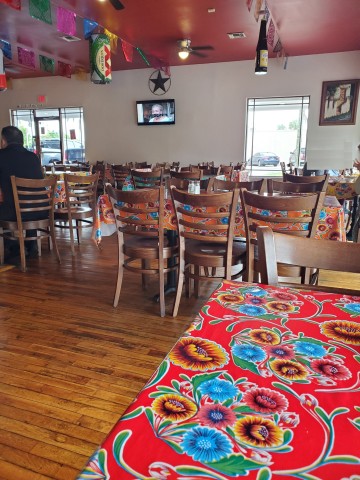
[(304, 26)]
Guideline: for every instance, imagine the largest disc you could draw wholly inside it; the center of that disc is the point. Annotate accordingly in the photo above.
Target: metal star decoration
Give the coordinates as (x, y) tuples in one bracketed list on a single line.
[(158, 81)]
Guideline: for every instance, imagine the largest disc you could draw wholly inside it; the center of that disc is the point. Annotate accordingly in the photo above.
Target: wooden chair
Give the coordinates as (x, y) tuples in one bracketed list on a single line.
[(240, 166), (81, 201), (276, 186), (290, 215), (288, 177), (226, 170), (206, 233), (120, 173), (258, 186), (187, 175), (34, 199), (147, 179), (142, 165), (142, 245), (275, 248), (100, 168), (183, 183)]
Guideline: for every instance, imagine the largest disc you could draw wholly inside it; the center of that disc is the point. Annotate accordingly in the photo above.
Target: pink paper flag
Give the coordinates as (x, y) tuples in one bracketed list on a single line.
[(128, 50), (271, 34), (248, 4), (66, 21), (64, 69), (16, 4), (26, 57), (258, 5), (278, 46)]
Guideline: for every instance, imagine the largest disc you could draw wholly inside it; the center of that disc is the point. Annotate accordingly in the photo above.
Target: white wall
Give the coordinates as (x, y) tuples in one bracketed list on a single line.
[(210, 109)]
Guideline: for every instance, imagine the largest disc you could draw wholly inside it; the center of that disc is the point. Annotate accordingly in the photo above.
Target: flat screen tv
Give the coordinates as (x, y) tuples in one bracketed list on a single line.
[(155, 112)]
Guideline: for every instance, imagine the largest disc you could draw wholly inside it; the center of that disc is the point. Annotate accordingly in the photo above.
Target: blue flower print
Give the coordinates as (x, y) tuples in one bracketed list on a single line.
[(353, 308), (251, 310), (251, 353), (225, 221), (218, 390), (310, 349), (255, 291), (206, 444), (322, 215)]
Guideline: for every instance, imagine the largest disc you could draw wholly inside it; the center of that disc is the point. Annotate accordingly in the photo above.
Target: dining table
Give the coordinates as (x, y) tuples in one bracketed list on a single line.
[(331, 223), (60, 194), (344, 187), (263, 384)]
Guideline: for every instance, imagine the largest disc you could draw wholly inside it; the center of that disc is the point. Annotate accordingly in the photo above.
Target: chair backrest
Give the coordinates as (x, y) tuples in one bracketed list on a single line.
[(81, 192), (183, 183), (276, 186), (240, 166), (289, 177), (291, 215), (33, 199), (120, 173), (283, 167), (142, 165), (139, 212), (100, 167), (187, 175), (226, 170), (276, 248), (258, 186), (147, 179), (207, 217)]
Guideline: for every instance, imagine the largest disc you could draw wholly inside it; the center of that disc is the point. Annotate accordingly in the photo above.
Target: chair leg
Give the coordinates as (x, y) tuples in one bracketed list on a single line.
[(162, 289), (2, 253), (179, 288), (22, 252), (52, 242), (145, 265), (120, 275), (196, 280), (71, 229)]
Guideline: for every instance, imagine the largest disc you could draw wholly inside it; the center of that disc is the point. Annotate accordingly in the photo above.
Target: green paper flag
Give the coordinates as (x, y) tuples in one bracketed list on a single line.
[(143, 56), (47, 64), (41, 9)]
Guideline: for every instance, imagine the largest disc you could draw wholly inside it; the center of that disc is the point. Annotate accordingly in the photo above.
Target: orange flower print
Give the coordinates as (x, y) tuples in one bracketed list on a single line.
[(343, 330), (282, 307), (194, 353), (288, 369), (174, 407), (258, 432), (230, 298), (265, 337)]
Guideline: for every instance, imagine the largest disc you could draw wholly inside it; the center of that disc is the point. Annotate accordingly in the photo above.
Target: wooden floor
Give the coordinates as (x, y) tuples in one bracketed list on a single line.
[(70, 363)]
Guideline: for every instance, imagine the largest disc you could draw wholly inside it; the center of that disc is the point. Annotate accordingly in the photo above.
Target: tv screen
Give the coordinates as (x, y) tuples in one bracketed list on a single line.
[(152, 112)]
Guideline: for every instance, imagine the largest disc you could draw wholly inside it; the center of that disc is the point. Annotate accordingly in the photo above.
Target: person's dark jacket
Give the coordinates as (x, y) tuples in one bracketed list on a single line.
[(15, 160)]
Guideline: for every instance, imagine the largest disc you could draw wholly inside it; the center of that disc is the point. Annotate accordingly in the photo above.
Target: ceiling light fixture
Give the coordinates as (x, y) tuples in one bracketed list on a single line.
[(183, 53)]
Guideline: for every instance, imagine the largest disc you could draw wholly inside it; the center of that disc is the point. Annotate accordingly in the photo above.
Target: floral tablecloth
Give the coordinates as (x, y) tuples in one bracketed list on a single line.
[(331, 224), (345, 189), (264, 384), (60, 195)]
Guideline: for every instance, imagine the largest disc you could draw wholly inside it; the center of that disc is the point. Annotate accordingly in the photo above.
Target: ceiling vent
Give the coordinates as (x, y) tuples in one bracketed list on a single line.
[(236, 35), (70, 38)]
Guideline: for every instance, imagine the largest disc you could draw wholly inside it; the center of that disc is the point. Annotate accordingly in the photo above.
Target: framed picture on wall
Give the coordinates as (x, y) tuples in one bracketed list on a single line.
[(339, 102)]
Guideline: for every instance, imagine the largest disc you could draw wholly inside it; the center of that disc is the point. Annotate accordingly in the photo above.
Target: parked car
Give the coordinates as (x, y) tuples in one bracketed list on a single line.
[(74, 151), (302, 157), (263, 159)]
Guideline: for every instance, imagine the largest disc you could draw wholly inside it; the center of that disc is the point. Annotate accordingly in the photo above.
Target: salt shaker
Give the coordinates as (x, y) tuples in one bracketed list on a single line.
[(197, 187)]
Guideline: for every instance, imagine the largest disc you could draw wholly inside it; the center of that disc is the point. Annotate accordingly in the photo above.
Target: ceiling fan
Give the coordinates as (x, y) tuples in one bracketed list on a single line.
[(117, 5), (186, 49)]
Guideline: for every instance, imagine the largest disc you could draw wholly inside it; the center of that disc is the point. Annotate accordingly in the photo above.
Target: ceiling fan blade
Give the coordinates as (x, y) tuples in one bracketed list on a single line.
[(116, 4), (198, 54), (202, 47)]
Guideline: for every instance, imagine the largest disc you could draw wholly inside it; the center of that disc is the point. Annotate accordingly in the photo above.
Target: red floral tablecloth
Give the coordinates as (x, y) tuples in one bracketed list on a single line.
[(344, 189), (264, 384), (331, 224)]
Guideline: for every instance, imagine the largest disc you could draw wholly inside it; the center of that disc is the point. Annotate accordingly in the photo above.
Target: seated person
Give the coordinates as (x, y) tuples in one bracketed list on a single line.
[(16, 160)]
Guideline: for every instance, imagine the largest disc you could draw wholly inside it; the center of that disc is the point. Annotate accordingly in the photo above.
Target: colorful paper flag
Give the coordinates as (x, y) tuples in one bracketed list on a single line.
[(258, 5), (143, 56), (248, 4), (271, 34), (15, 4), (47, 64), (113, 40), (26, 57), (128, 50), (40, 9), (66, 21), (278, 46), (89, 26), (64, 69), (6, 48)]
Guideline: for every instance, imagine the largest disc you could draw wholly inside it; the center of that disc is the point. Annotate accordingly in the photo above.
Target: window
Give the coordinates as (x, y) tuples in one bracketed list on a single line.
[(275, 132), (56, 134)]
